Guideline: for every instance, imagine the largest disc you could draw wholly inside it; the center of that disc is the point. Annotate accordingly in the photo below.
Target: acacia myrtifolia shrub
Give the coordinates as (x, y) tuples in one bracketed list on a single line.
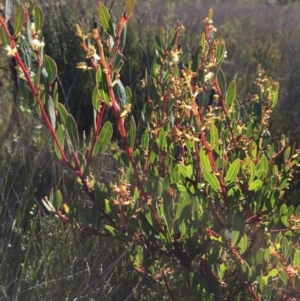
[(200, 196)]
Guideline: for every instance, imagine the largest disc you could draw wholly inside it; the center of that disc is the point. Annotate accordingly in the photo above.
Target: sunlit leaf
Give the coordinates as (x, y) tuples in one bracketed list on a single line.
[(105, 20), (230, 95), (255, 185), (284, 215), (232, 171), (204, 159), (103, 139), (212, 180), (129, 6), (113, 232), (19, 19), (214, 135)]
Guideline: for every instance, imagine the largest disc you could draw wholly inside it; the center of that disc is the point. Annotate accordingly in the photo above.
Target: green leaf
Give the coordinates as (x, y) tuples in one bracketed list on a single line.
[(29, 33), (256, 185), (232, 171), (220, 55), (168, 210), (175, 175), (215, 254), (51, 112), (55, 95), (287, 153), (202, 40), (60, 133), (105, 20), (103, 139), (58, 198), (73, 132), (123, 37), (62, 113), (255, 111), (251, 169), (275, 194), (132, 132), (110, 210), (274, 95), (243, 244), (283, 276), (204, 159), (145, 141), (230, 95), (19, 19), (159, 41), (120, 93), (38, 17), (186, 171), (178, 186), (128, 95), (50, 67), (222, 270), (146, 226), (246, 268), (113, 232), (98, 76), (96, 99), (284, 215), (129, 6), (173, 40), (184, 200), (221, 81), (4, 38), (212, 179), (264, 163), (214, 135), (253, 149), (118, 63), (238, 227), (101, 192), (297, 258), (285, 247), (102, 87)]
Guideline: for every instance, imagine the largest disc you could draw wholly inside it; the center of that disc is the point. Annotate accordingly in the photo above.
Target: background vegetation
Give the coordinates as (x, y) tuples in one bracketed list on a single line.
[(45, 260)]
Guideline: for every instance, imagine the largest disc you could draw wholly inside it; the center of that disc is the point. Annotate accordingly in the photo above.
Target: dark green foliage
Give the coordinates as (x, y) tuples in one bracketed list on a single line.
[(193, 207)]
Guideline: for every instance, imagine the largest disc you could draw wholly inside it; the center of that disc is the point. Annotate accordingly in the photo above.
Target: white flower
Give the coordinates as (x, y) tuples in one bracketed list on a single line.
[(228, 234), (96, 57), (10, 52), (209, 77), (22, 75), (36, 44)]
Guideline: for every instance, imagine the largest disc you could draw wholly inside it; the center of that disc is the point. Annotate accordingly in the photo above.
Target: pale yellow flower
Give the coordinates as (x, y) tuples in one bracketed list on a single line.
[(10, 52), (36, 44)]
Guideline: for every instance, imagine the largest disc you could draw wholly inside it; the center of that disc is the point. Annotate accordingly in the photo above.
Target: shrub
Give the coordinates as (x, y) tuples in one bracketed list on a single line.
[(199, 198)]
